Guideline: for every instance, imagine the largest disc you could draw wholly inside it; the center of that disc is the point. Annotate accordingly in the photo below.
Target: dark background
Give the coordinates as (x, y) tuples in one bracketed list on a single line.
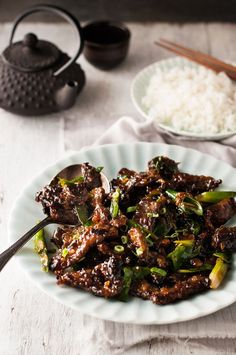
[(131, 10)]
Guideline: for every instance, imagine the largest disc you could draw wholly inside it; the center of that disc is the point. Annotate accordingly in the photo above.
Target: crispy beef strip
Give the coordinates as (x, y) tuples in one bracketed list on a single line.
[(87, 238), (192, 183), (203, 243), (100, 212), (164, 295), (92, 177), (107, 249), (154, 258), (59, 201), (138, 240), (134, 187), (119, 221), (126, 173), (153, 210), (142, 179), (57, 237), (224, 239), (103, 280), (165, 166), (220, 213), (80, 240)]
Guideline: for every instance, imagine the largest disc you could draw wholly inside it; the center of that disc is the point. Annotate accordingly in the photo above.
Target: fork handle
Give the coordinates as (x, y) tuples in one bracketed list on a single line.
[(8, 253)]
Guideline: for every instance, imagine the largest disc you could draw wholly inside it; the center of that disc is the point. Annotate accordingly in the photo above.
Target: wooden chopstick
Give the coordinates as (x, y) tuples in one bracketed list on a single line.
[(201, 58), (201, 55)]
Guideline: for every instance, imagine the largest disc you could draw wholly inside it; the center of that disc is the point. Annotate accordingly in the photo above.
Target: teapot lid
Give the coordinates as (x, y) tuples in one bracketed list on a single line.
[(31, 54)]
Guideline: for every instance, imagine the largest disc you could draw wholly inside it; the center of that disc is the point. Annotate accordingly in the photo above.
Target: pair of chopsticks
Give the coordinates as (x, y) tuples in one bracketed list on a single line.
[(198, 57)]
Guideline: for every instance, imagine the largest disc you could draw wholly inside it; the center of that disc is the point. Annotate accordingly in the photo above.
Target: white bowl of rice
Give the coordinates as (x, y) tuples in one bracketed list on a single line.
[(186, 99)]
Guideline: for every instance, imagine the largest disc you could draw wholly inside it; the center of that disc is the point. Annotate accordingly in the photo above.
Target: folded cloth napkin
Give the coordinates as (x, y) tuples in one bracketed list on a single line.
[(124, 338), (128, 129)]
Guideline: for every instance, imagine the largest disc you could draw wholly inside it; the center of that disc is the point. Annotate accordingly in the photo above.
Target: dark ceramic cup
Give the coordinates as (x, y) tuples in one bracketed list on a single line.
[(106, 43)]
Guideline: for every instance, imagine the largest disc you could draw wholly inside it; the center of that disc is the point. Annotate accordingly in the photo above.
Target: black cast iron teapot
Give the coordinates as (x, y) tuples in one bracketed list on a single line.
[(37, 78)]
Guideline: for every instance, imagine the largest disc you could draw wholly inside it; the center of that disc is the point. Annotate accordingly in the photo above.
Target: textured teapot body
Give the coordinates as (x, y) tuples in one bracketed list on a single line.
[(36, 78), (36, 93)]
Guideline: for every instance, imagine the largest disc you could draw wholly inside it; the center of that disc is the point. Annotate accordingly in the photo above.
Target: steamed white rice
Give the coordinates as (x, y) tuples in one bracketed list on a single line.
[(192, 100)]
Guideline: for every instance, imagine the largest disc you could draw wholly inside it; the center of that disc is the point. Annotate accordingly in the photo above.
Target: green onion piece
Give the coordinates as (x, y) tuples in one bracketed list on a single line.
[(99, 169), (152, 215), (218, 273), (76, 180), (89, 223), (157, 270), (172, 194), (127, 280), (204, 267), (186, 242), (64, 252), (188, 203), (162, 229), (195, 227), (163, 210), (124, 239), (214, 196), (180, 254), (173, 235), (131, 274), (140, 272), (224, 256), (132, 223), (82, 214), (114, 209), (40, 248), (121, 177), (131, 209), (149, 240), (176, 233), (119, 248), (139, 251)]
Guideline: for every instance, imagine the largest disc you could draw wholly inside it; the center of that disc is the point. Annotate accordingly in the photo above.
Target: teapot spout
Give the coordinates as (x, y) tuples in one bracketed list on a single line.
[(65, 97)]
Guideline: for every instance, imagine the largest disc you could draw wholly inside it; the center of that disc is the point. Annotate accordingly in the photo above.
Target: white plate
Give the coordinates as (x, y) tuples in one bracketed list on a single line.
[(26, 212), (139, 87)]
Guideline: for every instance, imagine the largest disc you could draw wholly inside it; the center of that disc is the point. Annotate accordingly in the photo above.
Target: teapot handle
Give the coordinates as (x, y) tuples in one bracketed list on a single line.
[(62, 13)]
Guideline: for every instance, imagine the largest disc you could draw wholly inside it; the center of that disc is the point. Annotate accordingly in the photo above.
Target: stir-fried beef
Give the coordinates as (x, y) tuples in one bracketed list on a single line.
[(61, 197), (220, 213), (193, 183), (149, 237), (137, 238), (92, 177), (60, 202), (164, 295), (104, 280), (165, 166), (224, 239), (153, 211)]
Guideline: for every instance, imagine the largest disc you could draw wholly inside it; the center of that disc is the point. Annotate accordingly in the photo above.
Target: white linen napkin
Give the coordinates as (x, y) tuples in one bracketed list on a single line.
[(131, 337), (128, 129)]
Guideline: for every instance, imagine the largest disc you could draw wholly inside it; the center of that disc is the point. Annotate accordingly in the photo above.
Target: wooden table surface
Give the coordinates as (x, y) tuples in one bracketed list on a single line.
[(31, 323)]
